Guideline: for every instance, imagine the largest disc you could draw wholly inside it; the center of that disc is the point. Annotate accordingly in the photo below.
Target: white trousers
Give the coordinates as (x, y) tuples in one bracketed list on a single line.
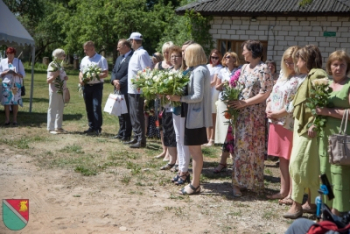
[(55, 111), (183, 152)]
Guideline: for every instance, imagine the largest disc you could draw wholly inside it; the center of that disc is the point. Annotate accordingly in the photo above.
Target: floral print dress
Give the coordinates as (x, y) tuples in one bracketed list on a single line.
[(249, 132), (282, 96)]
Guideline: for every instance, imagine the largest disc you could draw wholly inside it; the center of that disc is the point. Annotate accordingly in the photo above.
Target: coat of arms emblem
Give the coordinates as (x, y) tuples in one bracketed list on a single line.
[(15, 213)]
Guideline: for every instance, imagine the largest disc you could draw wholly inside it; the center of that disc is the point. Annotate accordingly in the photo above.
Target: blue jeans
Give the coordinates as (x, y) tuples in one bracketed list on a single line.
[(93, 98)]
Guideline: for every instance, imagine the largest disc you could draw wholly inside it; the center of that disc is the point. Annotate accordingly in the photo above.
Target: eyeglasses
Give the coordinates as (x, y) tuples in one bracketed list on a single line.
[(227, 57), (214, 57), (175, 57), (288, 64)]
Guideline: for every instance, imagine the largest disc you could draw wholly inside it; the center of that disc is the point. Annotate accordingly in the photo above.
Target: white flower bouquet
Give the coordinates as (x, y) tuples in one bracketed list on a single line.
[(91, 73), (160, 82)]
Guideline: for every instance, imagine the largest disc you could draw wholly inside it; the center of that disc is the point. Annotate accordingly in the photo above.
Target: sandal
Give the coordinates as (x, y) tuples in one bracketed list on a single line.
[(286, 201), (275, 196), (236, 192), (194, 190), (176, 178), (175, 168), (183, 179), (210, 143), (221, 168), (167, 167)]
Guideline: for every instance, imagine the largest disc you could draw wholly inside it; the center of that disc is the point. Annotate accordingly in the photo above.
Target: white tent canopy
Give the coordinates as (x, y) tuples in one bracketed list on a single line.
[(12, 32)]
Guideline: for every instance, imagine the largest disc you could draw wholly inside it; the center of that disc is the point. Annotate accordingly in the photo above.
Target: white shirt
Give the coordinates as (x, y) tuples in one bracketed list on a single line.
[(98, 60), (213, 70), (225, 75), (138, 61), (18, 67)]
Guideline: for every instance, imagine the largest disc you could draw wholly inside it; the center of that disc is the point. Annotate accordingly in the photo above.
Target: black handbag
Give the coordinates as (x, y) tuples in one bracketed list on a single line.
[(23, 88)]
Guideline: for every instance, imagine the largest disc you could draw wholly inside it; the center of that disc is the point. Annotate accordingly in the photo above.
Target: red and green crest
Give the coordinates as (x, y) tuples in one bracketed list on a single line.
[(15, 213)]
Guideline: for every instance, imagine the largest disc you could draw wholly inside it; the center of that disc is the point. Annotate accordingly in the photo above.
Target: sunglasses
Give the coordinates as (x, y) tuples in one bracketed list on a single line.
[(175, 57), (228, 57), (214, 57)]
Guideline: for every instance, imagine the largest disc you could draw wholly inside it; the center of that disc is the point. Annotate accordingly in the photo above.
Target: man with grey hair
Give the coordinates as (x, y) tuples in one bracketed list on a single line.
[(119, 80), (139, 61), (92, 91)]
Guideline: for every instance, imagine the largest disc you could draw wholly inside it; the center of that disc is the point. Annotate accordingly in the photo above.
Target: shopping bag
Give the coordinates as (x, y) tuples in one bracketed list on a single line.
[(116, 105)]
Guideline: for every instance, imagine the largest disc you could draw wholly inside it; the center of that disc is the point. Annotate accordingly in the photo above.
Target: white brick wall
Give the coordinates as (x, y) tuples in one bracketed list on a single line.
[(287, 31)]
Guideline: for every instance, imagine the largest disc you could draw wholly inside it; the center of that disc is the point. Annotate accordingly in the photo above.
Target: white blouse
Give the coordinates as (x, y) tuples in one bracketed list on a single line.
[(18, 68)]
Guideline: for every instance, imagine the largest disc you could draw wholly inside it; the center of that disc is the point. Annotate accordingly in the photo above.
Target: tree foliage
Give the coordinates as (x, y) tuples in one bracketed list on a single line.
[(68, 24)]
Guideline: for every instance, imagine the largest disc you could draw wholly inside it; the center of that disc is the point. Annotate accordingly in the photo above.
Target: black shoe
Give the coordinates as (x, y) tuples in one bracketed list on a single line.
[(138, 145), (133, 141), (125, 139), (90, 130)]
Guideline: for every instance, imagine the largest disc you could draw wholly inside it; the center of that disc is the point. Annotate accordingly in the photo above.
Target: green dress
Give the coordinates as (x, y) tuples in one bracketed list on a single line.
[(338, 176)]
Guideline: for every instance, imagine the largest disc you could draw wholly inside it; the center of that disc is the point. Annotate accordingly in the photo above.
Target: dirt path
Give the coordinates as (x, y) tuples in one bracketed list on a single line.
[(62, 201)]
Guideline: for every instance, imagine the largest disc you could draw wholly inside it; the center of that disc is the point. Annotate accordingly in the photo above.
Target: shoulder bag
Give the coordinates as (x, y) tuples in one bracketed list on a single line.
[(23, 88), (339, 144)]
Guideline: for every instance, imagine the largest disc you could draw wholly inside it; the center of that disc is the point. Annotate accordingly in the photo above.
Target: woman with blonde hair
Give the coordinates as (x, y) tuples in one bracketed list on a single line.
[(279, 111), (198, 114), (223, 132), (338, 66), (166, 63), (304, 165)]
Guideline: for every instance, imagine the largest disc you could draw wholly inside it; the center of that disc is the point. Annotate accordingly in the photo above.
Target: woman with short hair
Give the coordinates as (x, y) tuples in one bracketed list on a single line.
[(249, 127), (198, 114), (56, 78), (338, 66), (12, 74), (304, 165)]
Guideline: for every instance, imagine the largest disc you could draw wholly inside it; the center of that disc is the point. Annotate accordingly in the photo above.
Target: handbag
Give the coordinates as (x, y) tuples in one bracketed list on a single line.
[(23, 88), (66, 95), (339, 144), (116, 105)]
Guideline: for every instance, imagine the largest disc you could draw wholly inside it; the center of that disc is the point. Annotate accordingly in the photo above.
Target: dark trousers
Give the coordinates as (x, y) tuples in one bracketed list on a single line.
[(125, 122), (136, 103), (93, 98)]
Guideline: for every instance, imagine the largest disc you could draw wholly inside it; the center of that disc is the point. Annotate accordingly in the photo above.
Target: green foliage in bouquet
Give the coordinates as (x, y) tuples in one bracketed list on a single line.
[(319, 98), (90, 73), (155, 83)]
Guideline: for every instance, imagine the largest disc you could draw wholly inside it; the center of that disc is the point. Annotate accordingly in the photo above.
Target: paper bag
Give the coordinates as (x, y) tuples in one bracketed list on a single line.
[(116, 105)]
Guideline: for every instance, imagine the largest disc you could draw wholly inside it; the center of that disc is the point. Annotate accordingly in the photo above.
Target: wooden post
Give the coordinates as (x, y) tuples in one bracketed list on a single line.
[(46, 61)]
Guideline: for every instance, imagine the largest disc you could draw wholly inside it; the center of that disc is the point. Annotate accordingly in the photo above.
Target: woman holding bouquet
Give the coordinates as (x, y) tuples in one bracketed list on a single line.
[(249, 128), (162, 65), (198, 114), (183, 153), (56, 78), (304, 165), (12, 74), (338, 66), (214, 67), (223, 132), (279, 111)]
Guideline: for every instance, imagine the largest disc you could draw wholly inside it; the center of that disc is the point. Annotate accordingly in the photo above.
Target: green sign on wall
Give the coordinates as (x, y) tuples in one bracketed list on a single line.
[(329, 34)]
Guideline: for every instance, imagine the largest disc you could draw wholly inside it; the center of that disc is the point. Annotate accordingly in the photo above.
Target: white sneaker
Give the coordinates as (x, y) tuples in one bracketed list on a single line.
[(52, 132)]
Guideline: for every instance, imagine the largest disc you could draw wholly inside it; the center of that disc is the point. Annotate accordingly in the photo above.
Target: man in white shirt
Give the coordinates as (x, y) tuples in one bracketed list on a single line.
[(139, 61), (92, 91)]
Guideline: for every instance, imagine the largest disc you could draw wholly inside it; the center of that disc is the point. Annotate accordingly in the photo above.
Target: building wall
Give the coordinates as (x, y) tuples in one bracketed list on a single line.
[(282, 32)]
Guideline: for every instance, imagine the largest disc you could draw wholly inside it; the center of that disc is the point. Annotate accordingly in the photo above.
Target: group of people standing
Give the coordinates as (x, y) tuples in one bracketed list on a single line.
[(200, 119)]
